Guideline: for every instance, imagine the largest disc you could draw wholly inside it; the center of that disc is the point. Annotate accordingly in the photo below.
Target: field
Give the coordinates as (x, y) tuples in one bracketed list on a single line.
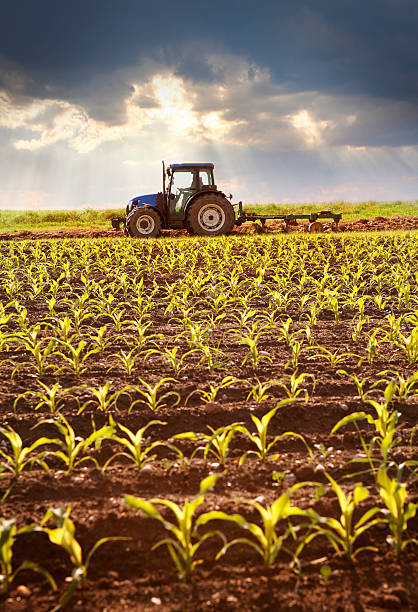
[(18, 220), (241, 411)]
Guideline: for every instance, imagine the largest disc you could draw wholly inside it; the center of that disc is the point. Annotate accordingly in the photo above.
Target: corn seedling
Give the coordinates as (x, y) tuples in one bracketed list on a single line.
[(212, 394), (8, 534), (171, 357), (404, 387), (63, 535), (293, 389), (150, 394), (397, 511), (40, 356), (72, 446), (217, 442), (185, 540), (103, 399), (22, 457), (127, 360), (76, 358), (259, 390), (51, 398), (210, 358), (259, 438), (360, 384), (343, 533), (267, 543), (137, 448), (333, 358), (409, 345)]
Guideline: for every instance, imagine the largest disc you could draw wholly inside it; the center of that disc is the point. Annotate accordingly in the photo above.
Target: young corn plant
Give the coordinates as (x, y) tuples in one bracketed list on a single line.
[(342, 533), (404, 387), (212, 394), (103, 399), (296, 348), (40, 353), (8, 534), (141, 337), (171, 357), (259, 391), (358, 329), (76, 357), (409, 346), (254, 355), (185, 540), (212, 358), (385, 426), (127, 360), (360, 384), (99, 338), (22, 457), (372, 347), (293, 388), (285, 334), (333, 358), (51, 398), (397, 512), (266, 541), (260, 440), (63, 535), (217, 442), (394, 325), (64, 329), (137, 448), (72, 446), (150, 395)]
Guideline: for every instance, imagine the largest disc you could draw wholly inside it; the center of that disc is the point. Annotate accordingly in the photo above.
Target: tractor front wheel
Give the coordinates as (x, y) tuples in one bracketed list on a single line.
[(143, 223), (210, 215)]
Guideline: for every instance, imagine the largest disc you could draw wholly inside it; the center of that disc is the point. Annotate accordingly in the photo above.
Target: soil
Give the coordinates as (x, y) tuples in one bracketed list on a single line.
[(407, 222), (128, 575)]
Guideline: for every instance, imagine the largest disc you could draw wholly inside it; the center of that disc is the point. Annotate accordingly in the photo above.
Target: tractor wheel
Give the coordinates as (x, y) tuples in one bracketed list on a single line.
[(210, 215), (315, 227), (143, 223)]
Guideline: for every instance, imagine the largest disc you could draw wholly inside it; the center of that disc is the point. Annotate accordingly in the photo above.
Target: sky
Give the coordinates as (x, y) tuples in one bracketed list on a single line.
[(294, 101)]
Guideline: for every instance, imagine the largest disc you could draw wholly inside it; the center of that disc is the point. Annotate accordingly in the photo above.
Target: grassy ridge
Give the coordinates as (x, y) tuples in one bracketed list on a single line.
[(15, 220)]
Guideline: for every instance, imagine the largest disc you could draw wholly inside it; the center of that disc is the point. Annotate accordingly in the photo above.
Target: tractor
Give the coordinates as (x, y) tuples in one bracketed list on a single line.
[(191, 200)]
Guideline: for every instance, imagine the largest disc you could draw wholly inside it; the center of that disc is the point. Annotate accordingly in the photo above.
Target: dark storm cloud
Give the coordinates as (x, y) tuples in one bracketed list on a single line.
[(364, 47), (89, 52)]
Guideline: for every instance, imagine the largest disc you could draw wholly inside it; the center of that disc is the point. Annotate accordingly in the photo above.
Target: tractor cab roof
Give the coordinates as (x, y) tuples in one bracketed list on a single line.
[(191, 165)]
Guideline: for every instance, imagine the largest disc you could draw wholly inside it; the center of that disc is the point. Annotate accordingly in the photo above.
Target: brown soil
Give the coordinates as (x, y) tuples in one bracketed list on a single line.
[(128, 576), (407, 222)]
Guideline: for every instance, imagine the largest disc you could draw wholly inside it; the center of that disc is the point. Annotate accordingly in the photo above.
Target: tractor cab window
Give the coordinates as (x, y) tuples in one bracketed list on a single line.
[(205, 178), (183, 185)]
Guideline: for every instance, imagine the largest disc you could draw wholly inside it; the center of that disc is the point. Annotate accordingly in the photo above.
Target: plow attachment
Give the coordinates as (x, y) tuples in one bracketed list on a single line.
[(290, 219)]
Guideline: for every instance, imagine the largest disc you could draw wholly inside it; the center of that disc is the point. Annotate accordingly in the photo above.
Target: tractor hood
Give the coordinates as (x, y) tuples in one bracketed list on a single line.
[(149, 198)]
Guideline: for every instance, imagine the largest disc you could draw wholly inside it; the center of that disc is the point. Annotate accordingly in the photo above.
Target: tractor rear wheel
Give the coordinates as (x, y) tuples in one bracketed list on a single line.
[(143, 223), (210, 215)]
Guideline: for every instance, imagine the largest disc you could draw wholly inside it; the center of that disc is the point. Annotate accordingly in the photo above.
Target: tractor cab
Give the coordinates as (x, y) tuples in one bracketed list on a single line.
[(185, 181)]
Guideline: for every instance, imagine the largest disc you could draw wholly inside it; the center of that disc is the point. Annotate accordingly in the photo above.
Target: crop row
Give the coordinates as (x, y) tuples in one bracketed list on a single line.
[(185, 535)]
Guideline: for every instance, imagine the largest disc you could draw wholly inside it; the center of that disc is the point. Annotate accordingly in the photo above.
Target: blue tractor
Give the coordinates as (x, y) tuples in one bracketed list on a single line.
[(191, 200)]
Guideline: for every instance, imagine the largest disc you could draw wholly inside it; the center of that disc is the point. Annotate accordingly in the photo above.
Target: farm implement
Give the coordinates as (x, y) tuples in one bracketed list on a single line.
[(192, 201)]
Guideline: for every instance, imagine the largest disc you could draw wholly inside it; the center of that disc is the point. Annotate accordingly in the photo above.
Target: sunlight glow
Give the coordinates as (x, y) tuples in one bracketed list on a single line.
[(312, 130)]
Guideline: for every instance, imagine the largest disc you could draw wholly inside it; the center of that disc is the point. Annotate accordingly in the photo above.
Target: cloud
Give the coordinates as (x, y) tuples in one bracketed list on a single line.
[(240, 106)]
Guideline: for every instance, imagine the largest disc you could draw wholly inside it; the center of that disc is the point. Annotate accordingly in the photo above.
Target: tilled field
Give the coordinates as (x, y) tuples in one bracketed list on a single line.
[(94, 334), (372, 224)]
